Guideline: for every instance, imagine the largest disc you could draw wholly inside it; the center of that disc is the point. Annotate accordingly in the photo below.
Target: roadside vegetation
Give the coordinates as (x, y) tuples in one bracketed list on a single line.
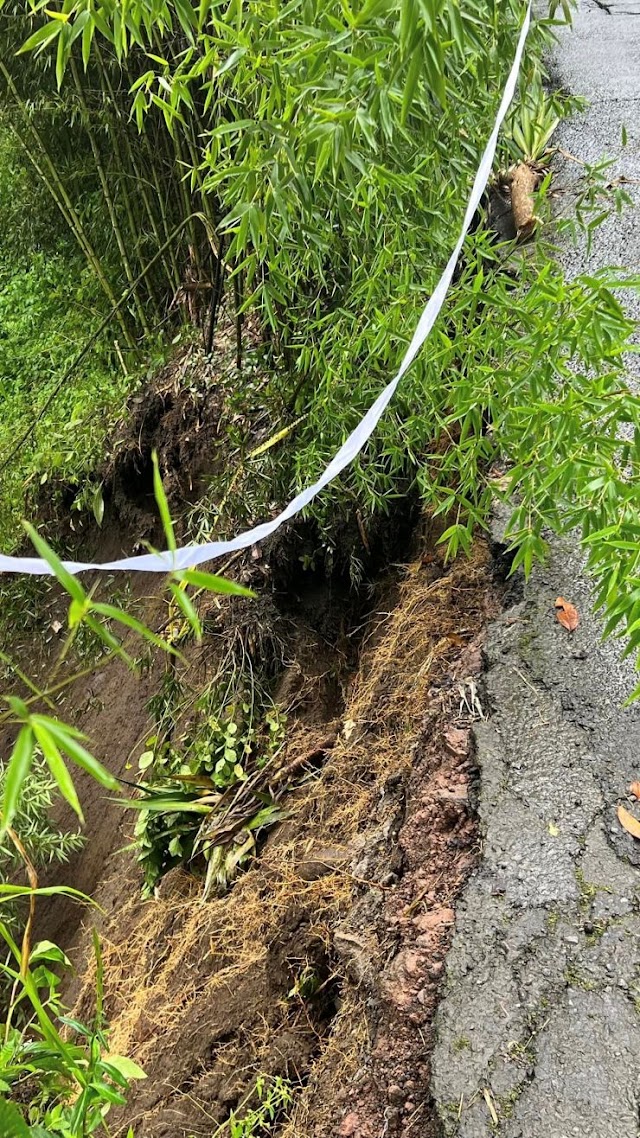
[(280, 185)]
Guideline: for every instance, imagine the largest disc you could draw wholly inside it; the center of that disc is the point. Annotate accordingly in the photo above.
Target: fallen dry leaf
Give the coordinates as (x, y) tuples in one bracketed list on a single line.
[(348, 727), (490, 1103), (502, 482), (630, 824), (634, 789), (567, 614)]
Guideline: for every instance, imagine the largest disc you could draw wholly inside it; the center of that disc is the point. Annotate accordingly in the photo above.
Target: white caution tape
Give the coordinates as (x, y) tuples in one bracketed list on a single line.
[(196, 554)]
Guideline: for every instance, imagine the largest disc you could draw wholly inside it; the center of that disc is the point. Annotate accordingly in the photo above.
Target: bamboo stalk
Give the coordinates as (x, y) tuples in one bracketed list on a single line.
[(109, 202), (57, 189), (153, 148), (82, 354), (170, 264), (180, 163), (163, 200), (186, 197), (239, 318), (216, 297)]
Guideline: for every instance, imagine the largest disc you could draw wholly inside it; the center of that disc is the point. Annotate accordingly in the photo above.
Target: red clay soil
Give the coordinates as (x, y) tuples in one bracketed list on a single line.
[(437, 846)]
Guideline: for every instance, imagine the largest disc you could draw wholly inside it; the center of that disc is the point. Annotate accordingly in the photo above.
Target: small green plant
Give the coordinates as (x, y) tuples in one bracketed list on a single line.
[(69, 1082), (235, 735), (210, 743), (591, 198), (274, 1095), (42, 838), (43, 841), (306, 984)]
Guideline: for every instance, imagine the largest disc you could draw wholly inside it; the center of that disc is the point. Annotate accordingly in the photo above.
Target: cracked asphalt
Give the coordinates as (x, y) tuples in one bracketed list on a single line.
[(540, 1020)]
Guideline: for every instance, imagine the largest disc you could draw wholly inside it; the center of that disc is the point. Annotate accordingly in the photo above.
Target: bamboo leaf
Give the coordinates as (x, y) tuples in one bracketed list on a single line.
[(163, 505), (67, 740), (18, 769), (56, 765), (166, 805), (61, 56), (12, 1124), (44, 35), (10, 892), (88, 32), (97, 951), (129, 621), (68, 581), (187, 607), (19, 708), (212, 583), (411, 82)]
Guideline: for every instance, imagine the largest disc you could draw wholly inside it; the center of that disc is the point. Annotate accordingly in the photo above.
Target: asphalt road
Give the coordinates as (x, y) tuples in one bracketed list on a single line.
[(540, 1021)]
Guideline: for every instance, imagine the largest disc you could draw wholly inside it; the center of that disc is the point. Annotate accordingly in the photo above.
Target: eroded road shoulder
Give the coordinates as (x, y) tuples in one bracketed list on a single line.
[(539, 1027)]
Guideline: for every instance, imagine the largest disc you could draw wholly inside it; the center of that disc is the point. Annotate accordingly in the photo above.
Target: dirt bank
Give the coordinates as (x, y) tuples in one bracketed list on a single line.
[(322, 965)]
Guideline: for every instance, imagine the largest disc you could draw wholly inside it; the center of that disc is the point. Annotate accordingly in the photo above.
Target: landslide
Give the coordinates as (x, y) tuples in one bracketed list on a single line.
[(322, 963)]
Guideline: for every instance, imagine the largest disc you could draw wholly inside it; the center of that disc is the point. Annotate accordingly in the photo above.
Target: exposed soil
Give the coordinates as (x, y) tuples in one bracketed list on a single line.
[(356, 888), (323, 962)]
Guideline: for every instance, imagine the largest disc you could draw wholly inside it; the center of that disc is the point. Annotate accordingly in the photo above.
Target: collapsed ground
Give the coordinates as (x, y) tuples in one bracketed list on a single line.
[(321, 964)]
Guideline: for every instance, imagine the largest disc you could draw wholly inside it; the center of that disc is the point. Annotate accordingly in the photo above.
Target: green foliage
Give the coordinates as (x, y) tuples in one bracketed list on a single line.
[(54, 738), (71, 1077), (72, 1080), (235, 730), (48, 299), (334, 146), (43, 839), (595, 196), (534, 121), (275, 1096)]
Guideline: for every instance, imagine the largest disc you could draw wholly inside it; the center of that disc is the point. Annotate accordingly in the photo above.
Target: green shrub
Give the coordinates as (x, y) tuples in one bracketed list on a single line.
[(43, 839), (59, 1070), (235, 731), (49, 301)]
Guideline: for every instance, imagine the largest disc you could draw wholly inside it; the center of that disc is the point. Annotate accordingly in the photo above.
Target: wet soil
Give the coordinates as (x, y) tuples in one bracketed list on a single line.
[(323, 962), (356, 888)]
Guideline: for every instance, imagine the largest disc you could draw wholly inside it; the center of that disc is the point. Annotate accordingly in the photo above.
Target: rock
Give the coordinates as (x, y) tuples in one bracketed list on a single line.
[(427, 922), (457, 741), (322, 861), (350, 1126)]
